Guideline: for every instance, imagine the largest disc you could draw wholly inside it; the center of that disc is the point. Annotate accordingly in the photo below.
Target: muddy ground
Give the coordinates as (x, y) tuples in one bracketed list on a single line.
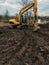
[(24, 47)]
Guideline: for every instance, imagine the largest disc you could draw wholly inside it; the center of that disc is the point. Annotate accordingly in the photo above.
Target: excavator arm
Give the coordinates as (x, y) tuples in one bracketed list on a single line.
[(36, 25), (35, 11)]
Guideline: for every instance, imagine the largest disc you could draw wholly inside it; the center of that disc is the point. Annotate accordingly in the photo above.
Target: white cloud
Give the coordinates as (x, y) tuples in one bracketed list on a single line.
[(6, 3), (43, 8), (14, 7), (11, 6)]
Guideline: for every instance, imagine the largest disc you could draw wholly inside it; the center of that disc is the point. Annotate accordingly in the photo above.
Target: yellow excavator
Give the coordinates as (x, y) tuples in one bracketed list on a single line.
[(27, 7)]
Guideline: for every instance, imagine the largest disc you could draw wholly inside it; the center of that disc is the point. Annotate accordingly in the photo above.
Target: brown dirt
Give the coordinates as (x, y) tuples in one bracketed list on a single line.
[(24, 47)]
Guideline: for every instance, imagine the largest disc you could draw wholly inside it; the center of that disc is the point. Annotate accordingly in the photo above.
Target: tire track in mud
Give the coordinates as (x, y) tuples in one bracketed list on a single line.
[(40, 48), (31, 48), (11, 51)]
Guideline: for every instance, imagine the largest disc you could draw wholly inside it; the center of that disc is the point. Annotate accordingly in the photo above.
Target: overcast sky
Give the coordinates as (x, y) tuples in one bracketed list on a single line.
[(14, 6)]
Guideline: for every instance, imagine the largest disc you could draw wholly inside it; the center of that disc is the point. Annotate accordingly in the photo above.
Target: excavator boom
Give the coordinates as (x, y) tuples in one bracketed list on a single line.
[(27, 7)]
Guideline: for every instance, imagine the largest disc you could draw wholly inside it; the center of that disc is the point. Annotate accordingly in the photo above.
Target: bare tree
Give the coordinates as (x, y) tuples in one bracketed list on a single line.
[(6, 15), (24, 2)]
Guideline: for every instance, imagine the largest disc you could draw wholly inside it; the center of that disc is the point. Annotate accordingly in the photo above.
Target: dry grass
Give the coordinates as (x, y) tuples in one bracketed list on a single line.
[(4, 24)]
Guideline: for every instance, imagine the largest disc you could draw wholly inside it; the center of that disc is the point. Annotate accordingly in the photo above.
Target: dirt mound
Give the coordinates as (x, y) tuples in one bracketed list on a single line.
[(24, 47)]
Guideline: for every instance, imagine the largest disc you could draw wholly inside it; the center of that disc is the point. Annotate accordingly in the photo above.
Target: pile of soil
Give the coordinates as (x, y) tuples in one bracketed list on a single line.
[(24, 47)]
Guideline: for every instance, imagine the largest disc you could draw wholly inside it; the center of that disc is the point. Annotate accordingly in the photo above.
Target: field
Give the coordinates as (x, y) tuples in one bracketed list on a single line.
[(23, 46)]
